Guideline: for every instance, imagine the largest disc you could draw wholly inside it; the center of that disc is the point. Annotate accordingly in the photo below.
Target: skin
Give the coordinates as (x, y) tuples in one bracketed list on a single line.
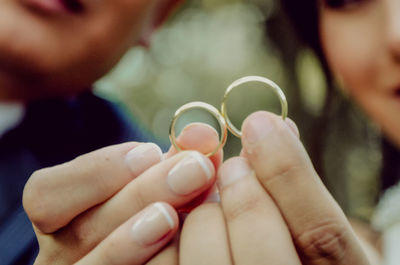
[(369, 70), (91, 203), (255, 223), (321, 234), (274, 209), (46, 54)]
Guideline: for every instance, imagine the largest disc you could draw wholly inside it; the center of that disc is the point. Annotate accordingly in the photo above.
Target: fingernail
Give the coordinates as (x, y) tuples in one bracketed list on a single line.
[(154, 224), (190, 174), (142, 157), (293, 127), (213, 197), (257, 127), (232, 171)]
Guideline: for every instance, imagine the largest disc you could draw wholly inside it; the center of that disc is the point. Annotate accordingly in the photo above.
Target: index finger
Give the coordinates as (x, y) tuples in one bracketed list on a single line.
[(318, 226), (202, 138), (55, 196)]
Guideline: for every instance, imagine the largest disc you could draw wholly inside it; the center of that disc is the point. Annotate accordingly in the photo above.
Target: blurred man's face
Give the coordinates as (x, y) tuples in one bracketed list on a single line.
[(361, 40), (50, 47)]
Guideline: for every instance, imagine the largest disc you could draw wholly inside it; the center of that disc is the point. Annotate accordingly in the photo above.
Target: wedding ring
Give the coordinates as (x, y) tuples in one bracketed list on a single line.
[(278, 91), (204, 106)]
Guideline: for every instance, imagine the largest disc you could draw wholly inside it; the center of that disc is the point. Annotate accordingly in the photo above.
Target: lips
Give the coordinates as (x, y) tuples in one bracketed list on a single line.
[(397, 92), (74, 6), (55, 6)]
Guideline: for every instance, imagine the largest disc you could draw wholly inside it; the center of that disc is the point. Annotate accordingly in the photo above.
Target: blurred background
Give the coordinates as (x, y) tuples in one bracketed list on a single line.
[(207, 45)]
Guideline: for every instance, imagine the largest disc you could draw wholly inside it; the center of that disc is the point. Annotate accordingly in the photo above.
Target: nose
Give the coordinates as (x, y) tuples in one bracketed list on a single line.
[(393, 28)]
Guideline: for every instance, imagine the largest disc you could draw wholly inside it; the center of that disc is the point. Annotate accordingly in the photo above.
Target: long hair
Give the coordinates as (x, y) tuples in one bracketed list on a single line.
[(304, 18), (304, 21)]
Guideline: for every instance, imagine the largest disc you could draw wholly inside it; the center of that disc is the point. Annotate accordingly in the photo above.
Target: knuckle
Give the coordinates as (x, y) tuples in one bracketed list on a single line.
[(248, 205), (35, 200), (81, 232), (324, 241), (285, 169)]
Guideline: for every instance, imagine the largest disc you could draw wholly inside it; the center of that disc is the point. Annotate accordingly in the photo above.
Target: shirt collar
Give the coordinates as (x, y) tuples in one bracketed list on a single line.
[(11, 114)]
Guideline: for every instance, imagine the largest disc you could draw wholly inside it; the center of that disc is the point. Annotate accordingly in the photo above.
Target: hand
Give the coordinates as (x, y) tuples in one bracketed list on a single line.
[(104, 207), (274, 208)]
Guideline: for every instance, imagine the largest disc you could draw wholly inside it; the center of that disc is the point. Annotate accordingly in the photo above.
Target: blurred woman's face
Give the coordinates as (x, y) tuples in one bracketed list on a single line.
[(50, 47), (361, 40)]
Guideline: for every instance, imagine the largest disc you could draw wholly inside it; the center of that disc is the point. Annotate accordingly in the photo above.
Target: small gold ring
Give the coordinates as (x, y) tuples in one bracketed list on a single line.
[(210, 109), (235, 131)]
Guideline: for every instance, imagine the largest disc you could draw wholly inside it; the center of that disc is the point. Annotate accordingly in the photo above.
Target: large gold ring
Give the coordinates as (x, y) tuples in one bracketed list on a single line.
[(284, 106), (199, 105)]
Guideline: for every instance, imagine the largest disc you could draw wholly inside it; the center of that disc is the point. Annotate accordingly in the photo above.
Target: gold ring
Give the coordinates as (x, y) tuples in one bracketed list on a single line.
[(235, 131), (210, 109)]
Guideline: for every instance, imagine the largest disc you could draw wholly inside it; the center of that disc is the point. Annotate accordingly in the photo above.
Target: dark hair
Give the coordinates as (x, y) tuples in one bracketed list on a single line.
[(319, 130), (304, 18)]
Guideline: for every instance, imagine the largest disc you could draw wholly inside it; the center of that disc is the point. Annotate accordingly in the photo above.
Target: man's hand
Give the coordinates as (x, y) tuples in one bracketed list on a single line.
[(117, 205)]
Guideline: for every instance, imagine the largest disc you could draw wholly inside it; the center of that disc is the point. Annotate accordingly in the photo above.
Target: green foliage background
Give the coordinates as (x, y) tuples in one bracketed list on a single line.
[(207, 45)]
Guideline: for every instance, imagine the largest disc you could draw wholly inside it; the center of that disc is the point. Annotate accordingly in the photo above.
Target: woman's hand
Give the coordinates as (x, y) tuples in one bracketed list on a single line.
[(104, 207), (274, 208)]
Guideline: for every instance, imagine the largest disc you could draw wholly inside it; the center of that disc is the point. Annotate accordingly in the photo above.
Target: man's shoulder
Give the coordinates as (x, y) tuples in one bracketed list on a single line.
[(54, 131), (75, 126)]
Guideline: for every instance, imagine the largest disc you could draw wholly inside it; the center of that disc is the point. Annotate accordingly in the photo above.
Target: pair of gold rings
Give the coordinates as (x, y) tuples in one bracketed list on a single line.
[(222, 117)]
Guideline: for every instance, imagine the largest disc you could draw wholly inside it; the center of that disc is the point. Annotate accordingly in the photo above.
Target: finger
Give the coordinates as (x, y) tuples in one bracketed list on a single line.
[(203, 138), (292, 127), (257, 231), (200, 137), (317, 224), (177, 181), (204, 238), (169, 255), (54, 196), (138, 239)]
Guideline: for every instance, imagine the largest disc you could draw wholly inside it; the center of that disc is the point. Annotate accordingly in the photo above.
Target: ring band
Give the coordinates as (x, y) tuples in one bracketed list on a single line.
[(278, 91), (199, 105)]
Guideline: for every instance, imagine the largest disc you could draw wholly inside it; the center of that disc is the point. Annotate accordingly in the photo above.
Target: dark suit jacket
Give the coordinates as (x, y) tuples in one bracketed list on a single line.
[(53, 131)]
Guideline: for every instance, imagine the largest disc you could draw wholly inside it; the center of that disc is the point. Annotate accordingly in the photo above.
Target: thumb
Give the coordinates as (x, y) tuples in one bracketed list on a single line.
[(200, 137)]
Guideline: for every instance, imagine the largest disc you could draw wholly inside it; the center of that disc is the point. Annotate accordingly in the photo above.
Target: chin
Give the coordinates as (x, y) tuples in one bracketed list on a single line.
[(30, 71), (31, 78), (44, 56), (14, 88)]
